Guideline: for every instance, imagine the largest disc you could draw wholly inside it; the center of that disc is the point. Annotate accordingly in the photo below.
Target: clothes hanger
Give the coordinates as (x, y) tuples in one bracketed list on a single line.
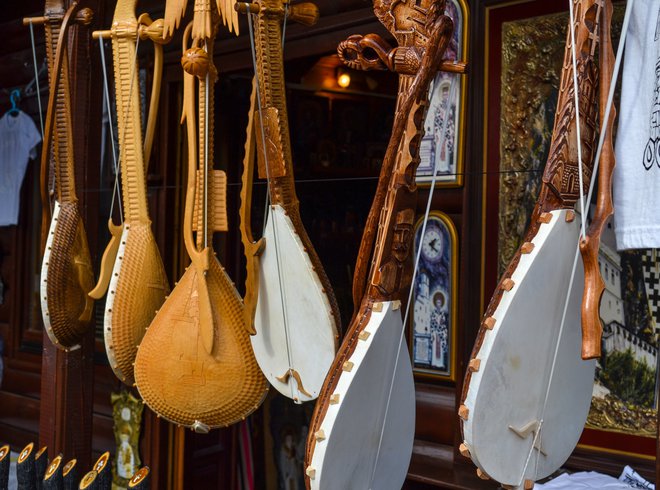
[(15, 97)]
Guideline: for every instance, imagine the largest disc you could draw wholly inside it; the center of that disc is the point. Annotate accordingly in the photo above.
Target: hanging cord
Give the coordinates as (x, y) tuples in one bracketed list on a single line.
[(274, 220), (36, 80), (418, 254), (610, 98), (116, 190)]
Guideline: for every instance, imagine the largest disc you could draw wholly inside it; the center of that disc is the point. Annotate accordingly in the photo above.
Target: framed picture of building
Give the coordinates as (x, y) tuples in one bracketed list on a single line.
[(445, 112), (433, 310)]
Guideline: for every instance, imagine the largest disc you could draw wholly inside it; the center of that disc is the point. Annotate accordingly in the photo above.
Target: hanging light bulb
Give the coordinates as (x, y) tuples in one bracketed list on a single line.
[(343, 78)]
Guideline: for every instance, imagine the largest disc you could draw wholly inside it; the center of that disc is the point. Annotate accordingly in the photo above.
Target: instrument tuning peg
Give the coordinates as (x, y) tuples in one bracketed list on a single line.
[(306, 13), (85, 16)]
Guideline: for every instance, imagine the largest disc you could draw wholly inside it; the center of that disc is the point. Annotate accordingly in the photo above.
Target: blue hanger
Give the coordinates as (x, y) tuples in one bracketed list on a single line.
[(14, 98)]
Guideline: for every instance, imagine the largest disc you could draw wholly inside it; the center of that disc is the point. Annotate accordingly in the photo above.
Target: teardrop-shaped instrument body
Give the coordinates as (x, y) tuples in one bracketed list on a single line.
[(138, 287), (507, 398), (175, 374), (369, 463), (294, 321), (66, 278)]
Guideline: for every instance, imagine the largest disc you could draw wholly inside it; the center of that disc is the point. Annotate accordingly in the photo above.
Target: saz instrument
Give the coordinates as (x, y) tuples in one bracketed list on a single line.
[(195, 365), (362, 430), (527, 391), (66, 271), (288, 299), (138, 283)]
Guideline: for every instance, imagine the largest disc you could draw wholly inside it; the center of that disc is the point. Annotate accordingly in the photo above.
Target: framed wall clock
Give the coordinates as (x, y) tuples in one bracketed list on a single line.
[(433, 310)]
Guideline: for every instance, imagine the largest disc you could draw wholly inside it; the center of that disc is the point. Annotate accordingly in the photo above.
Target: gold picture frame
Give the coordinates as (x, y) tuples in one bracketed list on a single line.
[(449, 160), (433, 312)]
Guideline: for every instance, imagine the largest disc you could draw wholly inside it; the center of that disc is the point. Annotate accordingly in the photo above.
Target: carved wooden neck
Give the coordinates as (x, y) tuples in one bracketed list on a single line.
[(561, 172), (127, 90), (273, 115), (61, 148), (424, 33)]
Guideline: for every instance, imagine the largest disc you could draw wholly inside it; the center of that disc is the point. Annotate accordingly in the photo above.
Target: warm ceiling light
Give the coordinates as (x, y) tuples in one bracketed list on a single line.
[(343, 80)]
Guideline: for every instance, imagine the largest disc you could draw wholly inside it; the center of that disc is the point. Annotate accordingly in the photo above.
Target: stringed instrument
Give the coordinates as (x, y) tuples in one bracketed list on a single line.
[(527, 391), (138, 284), (362, 430), (66, 272), (290, 306), (195, 366)]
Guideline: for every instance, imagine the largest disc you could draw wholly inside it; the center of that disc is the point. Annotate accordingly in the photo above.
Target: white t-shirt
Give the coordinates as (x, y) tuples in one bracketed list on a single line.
[(18, 139), (637, 173)]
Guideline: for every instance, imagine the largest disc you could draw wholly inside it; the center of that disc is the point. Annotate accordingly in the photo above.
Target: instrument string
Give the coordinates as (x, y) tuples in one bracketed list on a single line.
[(206, 150), (603, 131), (36, 79), (126, 113), (116, 190), (268, 199), (418, 253)]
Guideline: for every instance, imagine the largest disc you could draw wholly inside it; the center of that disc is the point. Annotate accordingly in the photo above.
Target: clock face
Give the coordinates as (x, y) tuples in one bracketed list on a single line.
[(432, 243)]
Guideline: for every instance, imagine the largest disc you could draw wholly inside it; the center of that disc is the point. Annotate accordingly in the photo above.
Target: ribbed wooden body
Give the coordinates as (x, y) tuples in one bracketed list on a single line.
[(183, 382), (139, 284)]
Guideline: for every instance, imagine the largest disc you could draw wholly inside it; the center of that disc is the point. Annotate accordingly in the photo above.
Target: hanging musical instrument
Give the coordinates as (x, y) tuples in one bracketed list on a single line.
[(290, 306), (527, 391), (138, 284), (66, 271), (362, 430), (195, 366)]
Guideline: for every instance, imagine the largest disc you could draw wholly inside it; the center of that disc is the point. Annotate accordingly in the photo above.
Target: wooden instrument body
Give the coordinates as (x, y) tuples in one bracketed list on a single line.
[(175, 374), (138, 284), (66, 273), (195, 366), (527, 392), (373, 356), (289, 266)]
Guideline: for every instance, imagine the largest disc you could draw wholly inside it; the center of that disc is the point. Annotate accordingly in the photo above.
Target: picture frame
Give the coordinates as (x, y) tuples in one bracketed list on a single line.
[(448, 160), (432, 318)]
